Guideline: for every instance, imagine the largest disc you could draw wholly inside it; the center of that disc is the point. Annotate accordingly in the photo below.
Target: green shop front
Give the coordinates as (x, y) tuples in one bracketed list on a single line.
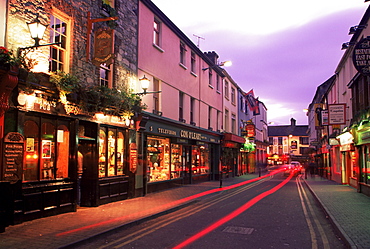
[(176, 154)]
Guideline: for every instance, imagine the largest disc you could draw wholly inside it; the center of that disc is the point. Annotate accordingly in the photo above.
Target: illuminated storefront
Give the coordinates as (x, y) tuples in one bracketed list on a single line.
[(178, 153)]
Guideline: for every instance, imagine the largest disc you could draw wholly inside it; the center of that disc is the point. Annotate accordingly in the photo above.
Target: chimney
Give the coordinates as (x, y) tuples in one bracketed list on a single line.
[(213, 56), (292, 122)]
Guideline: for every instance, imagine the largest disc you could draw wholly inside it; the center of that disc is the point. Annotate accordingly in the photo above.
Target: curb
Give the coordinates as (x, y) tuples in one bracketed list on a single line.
[(346, 239), (126, 225)]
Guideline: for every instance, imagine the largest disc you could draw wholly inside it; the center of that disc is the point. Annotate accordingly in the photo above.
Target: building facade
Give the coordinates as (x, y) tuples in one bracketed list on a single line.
[(288, 143)]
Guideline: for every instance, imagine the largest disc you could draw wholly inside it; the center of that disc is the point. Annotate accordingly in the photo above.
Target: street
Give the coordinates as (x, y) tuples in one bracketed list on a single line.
[(275, 212)]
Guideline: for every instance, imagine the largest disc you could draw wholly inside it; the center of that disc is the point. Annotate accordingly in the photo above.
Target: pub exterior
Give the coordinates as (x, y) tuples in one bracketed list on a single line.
[(68, 122)]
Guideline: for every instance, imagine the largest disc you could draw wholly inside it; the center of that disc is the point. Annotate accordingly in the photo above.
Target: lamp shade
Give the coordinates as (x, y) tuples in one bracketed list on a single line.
[(36, 28), (144, 83)]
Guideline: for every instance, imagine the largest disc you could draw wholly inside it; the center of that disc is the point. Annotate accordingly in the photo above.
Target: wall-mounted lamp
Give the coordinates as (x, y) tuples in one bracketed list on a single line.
[(144, 82), (353, 29), (222, 64), (37, 30), (366, 1), (346, 45)]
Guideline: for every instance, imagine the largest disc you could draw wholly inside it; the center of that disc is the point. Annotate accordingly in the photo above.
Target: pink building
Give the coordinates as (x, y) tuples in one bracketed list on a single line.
[(184, 116)]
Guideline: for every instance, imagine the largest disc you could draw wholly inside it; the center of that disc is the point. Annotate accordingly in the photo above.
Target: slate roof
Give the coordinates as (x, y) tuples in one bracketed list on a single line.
[(286, 130)]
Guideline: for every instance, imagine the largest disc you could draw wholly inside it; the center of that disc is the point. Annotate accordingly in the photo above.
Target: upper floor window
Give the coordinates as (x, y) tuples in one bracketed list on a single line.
[(226, 92), (304, 140), (156, 96), (218, 80), (182, 53), (233, 123), (193, 63), (192, 114), (181, 107), (210, 77), (157, 33), (233, 95), (209, 117), (105, 75), (226, 120), (59, 32), (241, 104)]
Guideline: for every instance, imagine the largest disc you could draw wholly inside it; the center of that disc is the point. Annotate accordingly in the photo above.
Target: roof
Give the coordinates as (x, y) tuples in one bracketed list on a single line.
[(286, 130)]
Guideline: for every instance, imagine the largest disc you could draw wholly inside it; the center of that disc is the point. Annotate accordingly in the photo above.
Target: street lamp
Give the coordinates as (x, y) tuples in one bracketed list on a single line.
[(222, 64), (144, 82), (37, 30)]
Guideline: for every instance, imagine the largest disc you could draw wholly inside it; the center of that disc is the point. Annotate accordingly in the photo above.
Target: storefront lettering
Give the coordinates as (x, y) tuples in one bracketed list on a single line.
[(167, 131), (190, 135)]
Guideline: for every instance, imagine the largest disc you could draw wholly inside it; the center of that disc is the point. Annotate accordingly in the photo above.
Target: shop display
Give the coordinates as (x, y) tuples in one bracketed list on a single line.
[(176, 168)]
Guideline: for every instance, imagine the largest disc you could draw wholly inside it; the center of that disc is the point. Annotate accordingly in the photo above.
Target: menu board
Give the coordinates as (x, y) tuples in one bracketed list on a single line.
[(13, 157)]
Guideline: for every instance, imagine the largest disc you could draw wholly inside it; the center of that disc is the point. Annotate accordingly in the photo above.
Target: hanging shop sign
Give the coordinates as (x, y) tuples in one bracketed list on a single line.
[(361, 56), (337, 114), (13, 151), (103, 49)]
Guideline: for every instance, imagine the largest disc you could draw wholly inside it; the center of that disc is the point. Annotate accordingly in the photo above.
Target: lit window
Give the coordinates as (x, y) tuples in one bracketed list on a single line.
[(59, 31), (104, 75)]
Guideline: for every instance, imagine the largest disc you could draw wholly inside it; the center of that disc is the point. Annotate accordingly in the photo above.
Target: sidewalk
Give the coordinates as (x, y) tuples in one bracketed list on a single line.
[(349, 211)]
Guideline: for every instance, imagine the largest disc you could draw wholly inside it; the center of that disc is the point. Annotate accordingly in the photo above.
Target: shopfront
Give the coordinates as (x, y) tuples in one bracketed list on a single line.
[(348, 159), (105, 149), (178, 154), (43, 183), (231, 155), (362, 143)]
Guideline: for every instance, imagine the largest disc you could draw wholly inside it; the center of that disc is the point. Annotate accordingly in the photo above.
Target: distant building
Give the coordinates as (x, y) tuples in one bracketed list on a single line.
[(288, 143)]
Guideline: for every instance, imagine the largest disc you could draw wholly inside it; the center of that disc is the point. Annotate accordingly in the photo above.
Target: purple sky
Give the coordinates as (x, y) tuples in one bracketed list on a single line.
[(283, 65)]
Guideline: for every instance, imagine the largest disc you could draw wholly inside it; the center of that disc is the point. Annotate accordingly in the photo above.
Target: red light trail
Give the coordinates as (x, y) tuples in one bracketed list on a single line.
[(168, 205), (232, 215)]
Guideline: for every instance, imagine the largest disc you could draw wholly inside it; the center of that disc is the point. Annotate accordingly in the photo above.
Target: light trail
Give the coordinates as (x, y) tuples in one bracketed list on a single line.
[(233, 214), (167, 205)]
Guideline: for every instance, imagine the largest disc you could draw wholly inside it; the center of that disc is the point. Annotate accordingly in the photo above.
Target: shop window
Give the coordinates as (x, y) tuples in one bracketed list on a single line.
[(62, 154), (31, 133), (158, 159), (111, 153), (102, 153), (200, 160), (176, 165), (47, 151), (120, 153)]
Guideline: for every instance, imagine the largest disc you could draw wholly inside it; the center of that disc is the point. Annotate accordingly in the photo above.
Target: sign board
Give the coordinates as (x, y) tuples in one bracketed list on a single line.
[(325, 117), (13, 157), (103, 52), (337, 114), (133, 157), (361, 56)]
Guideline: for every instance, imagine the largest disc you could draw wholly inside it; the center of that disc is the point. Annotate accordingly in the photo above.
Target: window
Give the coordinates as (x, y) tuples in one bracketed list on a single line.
[(210, 77), (210, 117), (47, 153), (192, 114), (104, 75), (233, 95), (182, 53), (157, 33), (226, 92), (246, 106), (59, 32), (156, 96), (218, 120), (241, 104), (233, 123), (181, 107), (159, 164), (111, 152), (200, 159), (218, 80), (303, 140), (193, 63), (226, 120)]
